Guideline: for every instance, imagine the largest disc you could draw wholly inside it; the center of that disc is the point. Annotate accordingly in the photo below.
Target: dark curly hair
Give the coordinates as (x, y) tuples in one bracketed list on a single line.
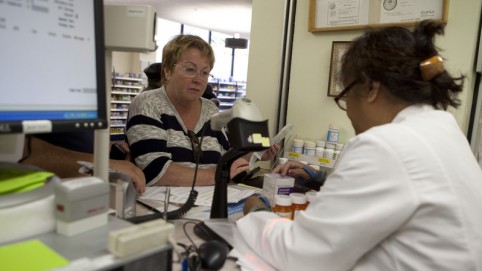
[(392, 57)]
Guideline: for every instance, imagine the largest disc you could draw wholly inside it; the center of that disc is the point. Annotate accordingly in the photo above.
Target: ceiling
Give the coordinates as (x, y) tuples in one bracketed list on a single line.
[(226, 16)]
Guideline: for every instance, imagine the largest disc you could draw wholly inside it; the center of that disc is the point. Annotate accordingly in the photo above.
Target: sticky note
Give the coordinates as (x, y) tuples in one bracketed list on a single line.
[(30, 255)]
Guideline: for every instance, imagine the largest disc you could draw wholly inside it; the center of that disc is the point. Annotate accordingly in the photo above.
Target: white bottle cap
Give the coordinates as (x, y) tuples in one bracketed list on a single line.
[(333, 126), (298, 142), (310, 144), (282, 200), (320, 143), (329, 145), (338, 147), (298, 198)]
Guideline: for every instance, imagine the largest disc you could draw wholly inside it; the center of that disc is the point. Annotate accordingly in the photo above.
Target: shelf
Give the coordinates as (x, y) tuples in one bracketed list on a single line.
[(226, 104), (125, 86), (125, 93), (227, 83), (227, 97), (128, 79), (228, 92), (321, 161)]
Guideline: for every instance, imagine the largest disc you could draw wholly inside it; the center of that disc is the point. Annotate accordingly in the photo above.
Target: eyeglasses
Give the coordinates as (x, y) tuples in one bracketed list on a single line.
[(191, 72), (196, 146), (340, 99)]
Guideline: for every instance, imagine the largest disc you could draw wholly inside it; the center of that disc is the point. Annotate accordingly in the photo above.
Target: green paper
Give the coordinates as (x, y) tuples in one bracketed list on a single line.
[(17, 181), (30, 255)]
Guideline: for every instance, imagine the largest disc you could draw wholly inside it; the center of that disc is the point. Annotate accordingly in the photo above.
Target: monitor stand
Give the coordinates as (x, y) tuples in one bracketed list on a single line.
[(11, 147)]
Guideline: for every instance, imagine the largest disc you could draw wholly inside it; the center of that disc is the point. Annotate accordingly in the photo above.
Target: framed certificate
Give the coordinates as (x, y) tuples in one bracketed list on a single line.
[(338, 49), (332, 15)]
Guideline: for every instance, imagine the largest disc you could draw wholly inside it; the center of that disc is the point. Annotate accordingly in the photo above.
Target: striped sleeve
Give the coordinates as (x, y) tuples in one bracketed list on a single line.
[(157, 137)]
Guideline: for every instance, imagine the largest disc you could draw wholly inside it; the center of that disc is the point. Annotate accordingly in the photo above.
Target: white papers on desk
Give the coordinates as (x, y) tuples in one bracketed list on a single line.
[(204, 198)]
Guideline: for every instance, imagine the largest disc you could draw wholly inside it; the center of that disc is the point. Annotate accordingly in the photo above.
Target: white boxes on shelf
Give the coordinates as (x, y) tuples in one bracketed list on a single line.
[(275, 184)]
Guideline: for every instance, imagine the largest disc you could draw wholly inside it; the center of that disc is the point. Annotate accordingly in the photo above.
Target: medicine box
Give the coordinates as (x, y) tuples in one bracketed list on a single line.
[(275, 184)]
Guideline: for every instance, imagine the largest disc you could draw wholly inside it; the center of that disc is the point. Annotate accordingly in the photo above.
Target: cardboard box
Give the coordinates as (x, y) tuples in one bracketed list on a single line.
[(275, 184)]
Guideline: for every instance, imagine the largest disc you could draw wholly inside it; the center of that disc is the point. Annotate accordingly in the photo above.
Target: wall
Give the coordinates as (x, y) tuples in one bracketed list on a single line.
[(126, 62), (265, 56), (309, 108)]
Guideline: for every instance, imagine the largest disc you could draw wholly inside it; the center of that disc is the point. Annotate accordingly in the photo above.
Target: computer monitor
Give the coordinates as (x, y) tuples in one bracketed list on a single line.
[(52, 72)]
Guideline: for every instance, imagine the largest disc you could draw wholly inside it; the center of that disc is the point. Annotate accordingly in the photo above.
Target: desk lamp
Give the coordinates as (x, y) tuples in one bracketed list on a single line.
[(247, 132)]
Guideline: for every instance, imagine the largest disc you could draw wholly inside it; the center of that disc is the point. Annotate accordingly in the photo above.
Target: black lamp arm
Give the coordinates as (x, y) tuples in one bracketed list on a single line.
[(219, 206)]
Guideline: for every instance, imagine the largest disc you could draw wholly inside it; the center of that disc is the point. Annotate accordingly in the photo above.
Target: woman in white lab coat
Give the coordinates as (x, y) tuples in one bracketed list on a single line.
[(406, 193)]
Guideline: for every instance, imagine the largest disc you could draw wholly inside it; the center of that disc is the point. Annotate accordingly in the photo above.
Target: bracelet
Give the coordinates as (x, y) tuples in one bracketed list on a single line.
[(310, 172)]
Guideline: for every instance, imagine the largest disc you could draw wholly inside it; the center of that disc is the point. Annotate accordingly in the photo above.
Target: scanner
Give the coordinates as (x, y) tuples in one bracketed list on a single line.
[(248, 132)]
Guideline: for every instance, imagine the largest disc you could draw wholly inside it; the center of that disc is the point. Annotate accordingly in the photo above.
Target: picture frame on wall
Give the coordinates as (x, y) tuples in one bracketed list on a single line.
[(335, 15), (338, 49)]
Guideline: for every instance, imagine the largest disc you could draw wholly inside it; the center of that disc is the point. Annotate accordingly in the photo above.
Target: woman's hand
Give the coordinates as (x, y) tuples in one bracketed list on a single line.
[(293, 169), (271, 152), (239, 165)]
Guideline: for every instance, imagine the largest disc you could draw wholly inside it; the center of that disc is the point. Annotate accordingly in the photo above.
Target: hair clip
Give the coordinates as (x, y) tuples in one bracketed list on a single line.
[(431, 67)]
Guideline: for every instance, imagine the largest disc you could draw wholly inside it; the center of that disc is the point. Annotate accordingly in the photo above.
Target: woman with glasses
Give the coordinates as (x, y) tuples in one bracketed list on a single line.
[(406, 192), (167, 130)]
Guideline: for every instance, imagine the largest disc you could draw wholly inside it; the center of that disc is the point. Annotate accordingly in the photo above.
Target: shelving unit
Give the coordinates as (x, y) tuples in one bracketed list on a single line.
[(228, 92), (320, 161), (124, 88)]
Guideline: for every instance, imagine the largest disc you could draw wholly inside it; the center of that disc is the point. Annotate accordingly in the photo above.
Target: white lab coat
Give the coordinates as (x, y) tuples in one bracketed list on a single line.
[(404, 196)]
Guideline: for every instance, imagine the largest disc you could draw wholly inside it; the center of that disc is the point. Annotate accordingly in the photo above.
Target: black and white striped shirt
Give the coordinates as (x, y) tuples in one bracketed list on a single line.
[(157, 136)]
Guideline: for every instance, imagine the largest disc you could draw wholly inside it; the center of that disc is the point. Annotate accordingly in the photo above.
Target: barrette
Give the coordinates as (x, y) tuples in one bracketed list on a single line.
[(431, 67)]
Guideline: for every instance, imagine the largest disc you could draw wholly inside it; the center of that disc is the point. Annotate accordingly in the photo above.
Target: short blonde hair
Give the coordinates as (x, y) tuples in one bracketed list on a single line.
[(178, 46)]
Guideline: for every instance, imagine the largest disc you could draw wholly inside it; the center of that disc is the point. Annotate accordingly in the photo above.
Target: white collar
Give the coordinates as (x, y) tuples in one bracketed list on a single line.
[(412, 110)]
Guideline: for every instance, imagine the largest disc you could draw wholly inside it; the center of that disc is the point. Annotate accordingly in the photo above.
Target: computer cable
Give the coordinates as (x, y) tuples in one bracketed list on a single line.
[(190, 202)]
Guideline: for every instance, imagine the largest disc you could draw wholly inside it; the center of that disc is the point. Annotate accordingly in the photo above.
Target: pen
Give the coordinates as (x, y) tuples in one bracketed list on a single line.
[(166, 201)]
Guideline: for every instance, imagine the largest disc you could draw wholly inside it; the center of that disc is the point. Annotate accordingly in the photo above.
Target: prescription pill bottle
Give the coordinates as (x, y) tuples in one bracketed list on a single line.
[(298, 145), (333, 133), (298, 203), (319, 151), (282, 206), (309, 148), (309, 196), (329, 153), (336, 154), (320, 144), (338, 148)]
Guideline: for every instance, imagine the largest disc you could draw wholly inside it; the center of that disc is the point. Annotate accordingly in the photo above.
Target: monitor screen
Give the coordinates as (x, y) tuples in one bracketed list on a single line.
[(52, 73)]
